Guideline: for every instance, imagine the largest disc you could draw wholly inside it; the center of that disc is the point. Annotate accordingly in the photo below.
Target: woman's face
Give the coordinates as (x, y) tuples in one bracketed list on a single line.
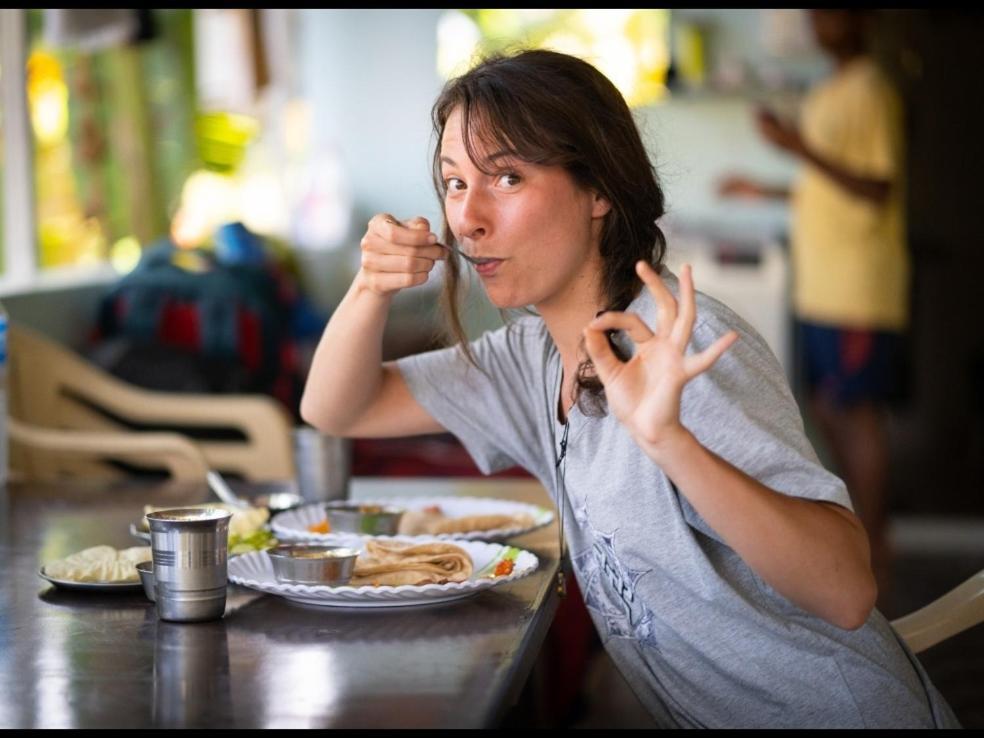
[(538, 225)]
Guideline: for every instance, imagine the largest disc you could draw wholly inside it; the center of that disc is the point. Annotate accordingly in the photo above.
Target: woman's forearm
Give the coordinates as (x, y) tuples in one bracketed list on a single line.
[(815, 554), (346, 371)]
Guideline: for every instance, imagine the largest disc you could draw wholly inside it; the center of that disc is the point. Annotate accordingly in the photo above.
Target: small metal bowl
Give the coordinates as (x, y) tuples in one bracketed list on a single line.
[(373, 520), (306, 563), (146, 569)]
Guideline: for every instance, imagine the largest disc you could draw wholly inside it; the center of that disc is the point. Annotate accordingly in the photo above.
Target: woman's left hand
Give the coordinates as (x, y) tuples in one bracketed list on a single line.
[(644, 392)]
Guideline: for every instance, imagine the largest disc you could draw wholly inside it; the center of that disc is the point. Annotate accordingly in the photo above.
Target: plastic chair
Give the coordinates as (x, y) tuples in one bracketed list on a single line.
[(73, 453), (956, 611), (52, 387)]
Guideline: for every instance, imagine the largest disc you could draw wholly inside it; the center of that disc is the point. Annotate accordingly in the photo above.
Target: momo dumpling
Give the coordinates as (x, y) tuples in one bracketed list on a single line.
[(100, 564)]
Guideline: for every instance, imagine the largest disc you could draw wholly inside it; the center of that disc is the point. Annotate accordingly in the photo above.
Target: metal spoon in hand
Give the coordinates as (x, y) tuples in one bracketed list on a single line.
[(458, 252)]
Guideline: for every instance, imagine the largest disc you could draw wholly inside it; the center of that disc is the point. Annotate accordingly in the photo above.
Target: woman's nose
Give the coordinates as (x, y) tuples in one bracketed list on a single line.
[(473, 216)]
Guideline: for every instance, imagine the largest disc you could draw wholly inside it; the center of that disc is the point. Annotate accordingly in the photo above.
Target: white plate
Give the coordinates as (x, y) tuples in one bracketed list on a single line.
[(255, 570), (292, 525), (92, 586)]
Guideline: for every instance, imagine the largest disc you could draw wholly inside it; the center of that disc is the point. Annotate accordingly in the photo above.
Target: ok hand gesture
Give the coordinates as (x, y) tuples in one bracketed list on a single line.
[(644, 392)]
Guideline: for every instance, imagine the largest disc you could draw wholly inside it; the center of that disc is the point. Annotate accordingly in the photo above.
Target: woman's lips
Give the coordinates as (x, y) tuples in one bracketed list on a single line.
[(488, 267)]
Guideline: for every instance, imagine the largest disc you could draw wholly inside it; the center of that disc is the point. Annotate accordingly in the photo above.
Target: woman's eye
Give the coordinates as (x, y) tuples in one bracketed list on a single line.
[(510, 179), (453, 184)]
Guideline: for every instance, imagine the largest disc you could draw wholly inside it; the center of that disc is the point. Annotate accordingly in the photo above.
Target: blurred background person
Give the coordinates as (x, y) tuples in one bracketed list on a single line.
[(850, 261)]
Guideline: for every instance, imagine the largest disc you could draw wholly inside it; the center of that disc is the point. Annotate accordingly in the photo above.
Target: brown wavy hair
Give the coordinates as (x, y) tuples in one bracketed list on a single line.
[(549, 108)]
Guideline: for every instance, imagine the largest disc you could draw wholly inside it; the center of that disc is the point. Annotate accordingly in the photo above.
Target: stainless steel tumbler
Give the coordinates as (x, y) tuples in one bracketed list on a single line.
[(324, 464), (190, 547)]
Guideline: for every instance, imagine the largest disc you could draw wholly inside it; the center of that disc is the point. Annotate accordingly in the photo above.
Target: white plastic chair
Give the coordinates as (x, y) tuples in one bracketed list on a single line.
[(956, 611), (72, 453), (52, 387)]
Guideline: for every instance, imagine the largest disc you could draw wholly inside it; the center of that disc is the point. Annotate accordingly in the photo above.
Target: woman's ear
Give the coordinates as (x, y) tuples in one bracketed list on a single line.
[(600, 206)]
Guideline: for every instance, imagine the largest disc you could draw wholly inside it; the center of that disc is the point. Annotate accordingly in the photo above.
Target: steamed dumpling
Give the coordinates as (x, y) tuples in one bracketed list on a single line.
[(100, 564)]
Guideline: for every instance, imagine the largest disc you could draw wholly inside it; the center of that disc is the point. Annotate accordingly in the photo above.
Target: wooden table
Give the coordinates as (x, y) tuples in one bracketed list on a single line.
[(93, 660)]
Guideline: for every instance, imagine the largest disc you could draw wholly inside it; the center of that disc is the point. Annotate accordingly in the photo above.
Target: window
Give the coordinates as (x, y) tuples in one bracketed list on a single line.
[(631, 47), (111, 102)]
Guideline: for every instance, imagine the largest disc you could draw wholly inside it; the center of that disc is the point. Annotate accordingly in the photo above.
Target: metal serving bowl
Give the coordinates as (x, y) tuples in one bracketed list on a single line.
[(372, 520), (306, 563), (146, 569)]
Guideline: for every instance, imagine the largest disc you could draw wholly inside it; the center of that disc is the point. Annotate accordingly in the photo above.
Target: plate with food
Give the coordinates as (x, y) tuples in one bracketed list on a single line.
[(392, 572), (99, 569), (248, 530), (443, 518)]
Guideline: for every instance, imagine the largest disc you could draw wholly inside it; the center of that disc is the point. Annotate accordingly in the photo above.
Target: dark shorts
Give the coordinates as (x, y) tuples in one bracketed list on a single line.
[(849, 366)]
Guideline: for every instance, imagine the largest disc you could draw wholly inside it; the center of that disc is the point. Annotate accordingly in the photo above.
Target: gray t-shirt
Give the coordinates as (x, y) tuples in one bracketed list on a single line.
[(702, 639)]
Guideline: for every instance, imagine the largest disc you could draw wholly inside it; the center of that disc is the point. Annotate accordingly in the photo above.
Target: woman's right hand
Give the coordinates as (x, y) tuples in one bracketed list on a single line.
[(396, 254)]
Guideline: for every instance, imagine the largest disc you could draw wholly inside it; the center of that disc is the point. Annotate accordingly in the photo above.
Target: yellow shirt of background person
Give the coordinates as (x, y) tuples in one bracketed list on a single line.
[(849, 254)]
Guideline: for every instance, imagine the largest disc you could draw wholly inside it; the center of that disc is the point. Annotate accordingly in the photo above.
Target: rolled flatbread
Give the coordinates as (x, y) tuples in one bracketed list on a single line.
[(470, 523), (100, 564), (419, 522), (429, 522), (396, 562)]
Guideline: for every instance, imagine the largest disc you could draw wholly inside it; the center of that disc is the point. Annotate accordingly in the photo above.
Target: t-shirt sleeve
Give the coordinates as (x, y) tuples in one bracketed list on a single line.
[(489, 408), (880, 129), (743, 410)]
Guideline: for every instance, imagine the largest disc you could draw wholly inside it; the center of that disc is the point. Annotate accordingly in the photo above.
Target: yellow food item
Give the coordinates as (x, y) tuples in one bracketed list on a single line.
[(323, 527)]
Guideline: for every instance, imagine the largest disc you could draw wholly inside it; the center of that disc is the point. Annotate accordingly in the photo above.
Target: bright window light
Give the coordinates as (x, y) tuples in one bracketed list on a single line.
[(631, 47)]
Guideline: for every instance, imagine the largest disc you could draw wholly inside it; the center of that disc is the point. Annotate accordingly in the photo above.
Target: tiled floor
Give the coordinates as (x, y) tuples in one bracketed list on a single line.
[(930, 560)]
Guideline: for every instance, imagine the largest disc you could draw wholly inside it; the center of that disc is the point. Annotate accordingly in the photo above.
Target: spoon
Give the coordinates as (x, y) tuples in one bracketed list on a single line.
[(218, 485), (457, 252), (276, 502)]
